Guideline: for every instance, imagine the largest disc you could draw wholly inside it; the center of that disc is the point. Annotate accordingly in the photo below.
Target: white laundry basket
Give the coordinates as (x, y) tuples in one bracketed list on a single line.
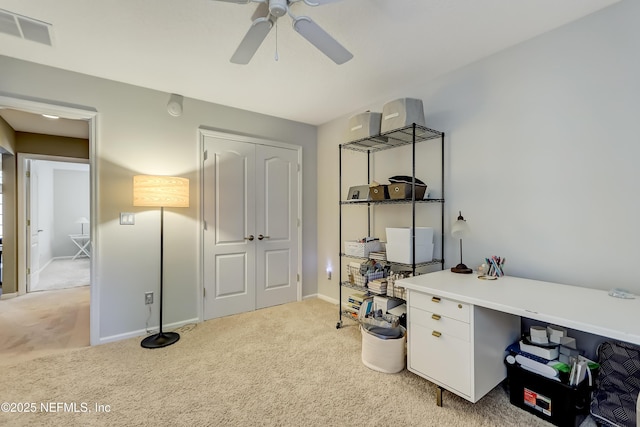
[(384, 355)]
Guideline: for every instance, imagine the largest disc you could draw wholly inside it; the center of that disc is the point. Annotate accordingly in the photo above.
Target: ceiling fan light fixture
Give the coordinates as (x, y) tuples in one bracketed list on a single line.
[(278, 8), (267, 14)]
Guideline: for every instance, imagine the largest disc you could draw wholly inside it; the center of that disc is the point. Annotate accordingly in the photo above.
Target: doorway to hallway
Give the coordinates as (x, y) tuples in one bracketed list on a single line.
[(57, 205)]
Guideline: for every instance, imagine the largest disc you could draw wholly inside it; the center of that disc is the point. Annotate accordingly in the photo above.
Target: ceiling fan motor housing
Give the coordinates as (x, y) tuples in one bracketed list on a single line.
[(278, 7)]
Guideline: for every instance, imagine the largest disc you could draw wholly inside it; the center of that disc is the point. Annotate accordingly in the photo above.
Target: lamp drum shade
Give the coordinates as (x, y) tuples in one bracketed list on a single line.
[(160, 191)]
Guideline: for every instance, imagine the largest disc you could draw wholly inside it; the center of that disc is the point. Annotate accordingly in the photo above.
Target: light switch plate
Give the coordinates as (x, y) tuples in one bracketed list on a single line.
[(127, 218)]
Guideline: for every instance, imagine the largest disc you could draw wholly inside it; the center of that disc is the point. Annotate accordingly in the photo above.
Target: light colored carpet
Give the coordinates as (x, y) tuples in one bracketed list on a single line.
[(62, 274), (282, 366), (40, 323)]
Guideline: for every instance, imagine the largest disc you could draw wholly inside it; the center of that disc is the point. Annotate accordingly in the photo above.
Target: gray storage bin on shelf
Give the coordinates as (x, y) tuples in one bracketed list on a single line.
[(400, 113), (363, 125)]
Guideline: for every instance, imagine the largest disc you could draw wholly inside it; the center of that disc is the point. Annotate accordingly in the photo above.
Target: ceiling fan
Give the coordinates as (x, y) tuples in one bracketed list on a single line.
[(265, 17)]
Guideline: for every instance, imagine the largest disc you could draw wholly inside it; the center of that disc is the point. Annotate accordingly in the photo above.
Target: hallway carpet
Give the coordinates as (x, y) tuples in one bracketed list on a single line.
[(63, 274), (40, 323)]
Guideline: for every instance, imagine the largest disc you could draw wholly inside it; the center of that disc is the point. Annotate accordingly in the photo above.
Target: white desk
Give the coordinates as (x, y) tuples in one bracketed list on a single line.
[(82, 242), (583, 309), (494, 306)]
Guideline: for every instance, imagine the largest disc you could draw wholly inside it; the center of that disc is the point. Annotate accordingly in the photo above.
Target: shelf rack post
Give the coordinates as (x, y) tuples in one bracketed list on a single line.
[(368, 182), (443, 201), (413, 201), (339, 324)]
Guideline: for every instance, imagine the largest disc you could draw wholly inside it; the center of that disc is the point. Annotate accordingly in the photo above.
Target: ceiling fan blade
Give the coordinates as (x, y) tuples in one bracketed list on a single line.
[(261, 10), (321, 39), (252, 40)]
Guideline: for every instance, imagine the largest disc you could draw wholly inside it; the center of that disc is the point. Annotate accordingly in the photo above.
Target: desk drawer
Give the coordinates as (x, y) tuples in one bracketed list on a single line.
[(438, 323), (444, 359), (442, 306)]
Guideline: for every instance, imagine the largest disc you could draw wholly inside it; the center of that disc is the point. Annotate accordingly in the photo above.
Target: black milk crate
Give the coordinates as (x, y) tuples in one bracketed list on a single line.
[(551, 400)]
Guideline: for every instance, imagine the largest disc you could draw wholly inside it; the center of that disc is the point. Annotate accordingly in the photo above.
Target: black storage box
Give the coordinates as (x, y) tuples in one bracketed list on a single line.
[(553, 401)]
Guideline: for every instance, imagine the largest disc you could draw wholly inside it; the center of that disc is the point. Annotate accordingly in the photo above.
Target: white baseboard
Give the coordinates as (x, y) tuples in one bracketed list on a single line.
[(172, 326), (143, 332), (327, 299), (9, 296), (322, 297)]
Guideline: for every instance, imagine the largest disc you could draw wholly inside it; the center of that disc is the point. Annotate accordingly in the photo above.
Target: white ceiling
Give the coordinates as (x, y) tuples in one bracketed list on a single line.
[(184, 46)]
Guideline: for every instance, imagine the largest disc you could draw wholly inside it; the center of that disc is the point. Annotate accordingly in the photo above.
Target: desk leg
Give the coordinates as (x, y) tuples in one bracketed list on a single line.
[(439, 391)]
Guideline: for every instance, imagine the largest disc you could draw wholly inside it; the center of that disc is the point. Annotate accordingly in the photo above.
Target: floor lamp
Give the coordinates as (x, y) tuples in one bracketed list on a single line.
[(162, 192)]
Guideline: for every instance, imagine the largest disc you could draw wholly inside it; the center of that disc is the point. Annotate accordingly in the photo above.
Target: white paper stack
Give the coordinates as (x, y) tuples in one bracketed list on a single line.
[(378, 286), (545, 353), (538, 335), (378, 255), (556, 334)]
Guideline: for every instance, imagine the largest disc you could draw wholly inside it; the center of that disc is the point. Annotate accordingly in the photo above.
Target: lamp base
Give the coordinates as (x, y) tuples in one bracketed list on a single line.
[(461, 268), (162, 339)]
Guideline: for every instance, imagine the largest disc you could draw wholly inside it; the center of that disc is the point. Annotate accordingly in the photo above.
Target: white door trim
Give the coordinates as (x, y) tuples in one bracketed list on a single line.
[(78, 113), (202, 133)]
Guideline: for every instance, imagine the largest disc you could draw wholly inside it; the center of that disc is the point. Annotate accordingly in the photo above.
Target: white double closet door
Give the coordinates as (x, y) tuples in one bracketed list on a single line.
[(251, 225)]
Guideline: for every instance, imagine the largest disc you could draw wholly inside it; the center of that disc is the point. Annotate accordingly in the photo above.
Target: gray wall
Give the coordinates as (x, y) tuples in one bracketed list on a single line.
[(71, 202), (541, 155), (135, 135), (63, 197)]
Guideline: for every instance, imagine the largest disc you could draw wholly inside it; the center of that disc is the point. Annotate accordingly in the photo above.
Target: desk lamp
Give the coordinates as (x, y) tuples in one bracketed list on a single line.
[(160, 191), (458, 231)]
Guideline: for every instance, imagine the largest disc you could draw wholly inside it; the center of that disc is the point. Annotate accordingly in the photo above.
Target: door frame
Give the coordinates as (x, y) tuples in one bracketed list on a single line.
[(22, 158), (204, 132), (30, 105)]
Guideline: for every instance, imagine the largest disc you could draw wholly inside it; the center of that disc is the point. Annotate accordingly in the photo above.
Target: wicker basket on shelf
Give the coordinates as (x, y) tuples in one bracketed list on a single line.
[(362, 279)]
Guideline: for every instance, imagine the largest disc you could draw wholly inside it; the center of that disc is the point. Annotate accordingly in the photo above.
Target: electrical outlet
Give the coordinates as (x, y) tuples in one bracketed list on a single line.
[(148, 298)]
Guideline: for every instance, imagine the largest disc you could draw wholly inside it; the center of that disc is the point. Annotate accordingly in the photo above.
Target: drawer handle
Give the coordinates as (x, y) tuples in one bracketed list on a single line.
[(435, 317), (436, 334), (435, 299)]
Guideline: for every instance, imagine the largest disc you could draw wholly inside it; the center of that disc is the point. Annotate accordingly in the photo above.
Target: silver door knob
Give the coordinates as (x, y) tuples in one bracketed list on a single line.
[(250, 238), (260, 237)]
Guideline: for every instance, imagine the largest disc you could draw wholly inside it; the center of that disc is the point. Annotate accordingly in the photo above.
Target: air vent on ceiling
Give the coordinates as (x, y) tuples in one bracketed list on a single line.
[(24, 27)]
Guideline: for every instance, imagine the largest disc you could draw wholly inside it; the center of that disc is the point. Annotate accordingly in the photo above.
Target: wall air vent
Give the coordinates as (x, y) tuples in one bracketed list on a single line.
[(25, 28)]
